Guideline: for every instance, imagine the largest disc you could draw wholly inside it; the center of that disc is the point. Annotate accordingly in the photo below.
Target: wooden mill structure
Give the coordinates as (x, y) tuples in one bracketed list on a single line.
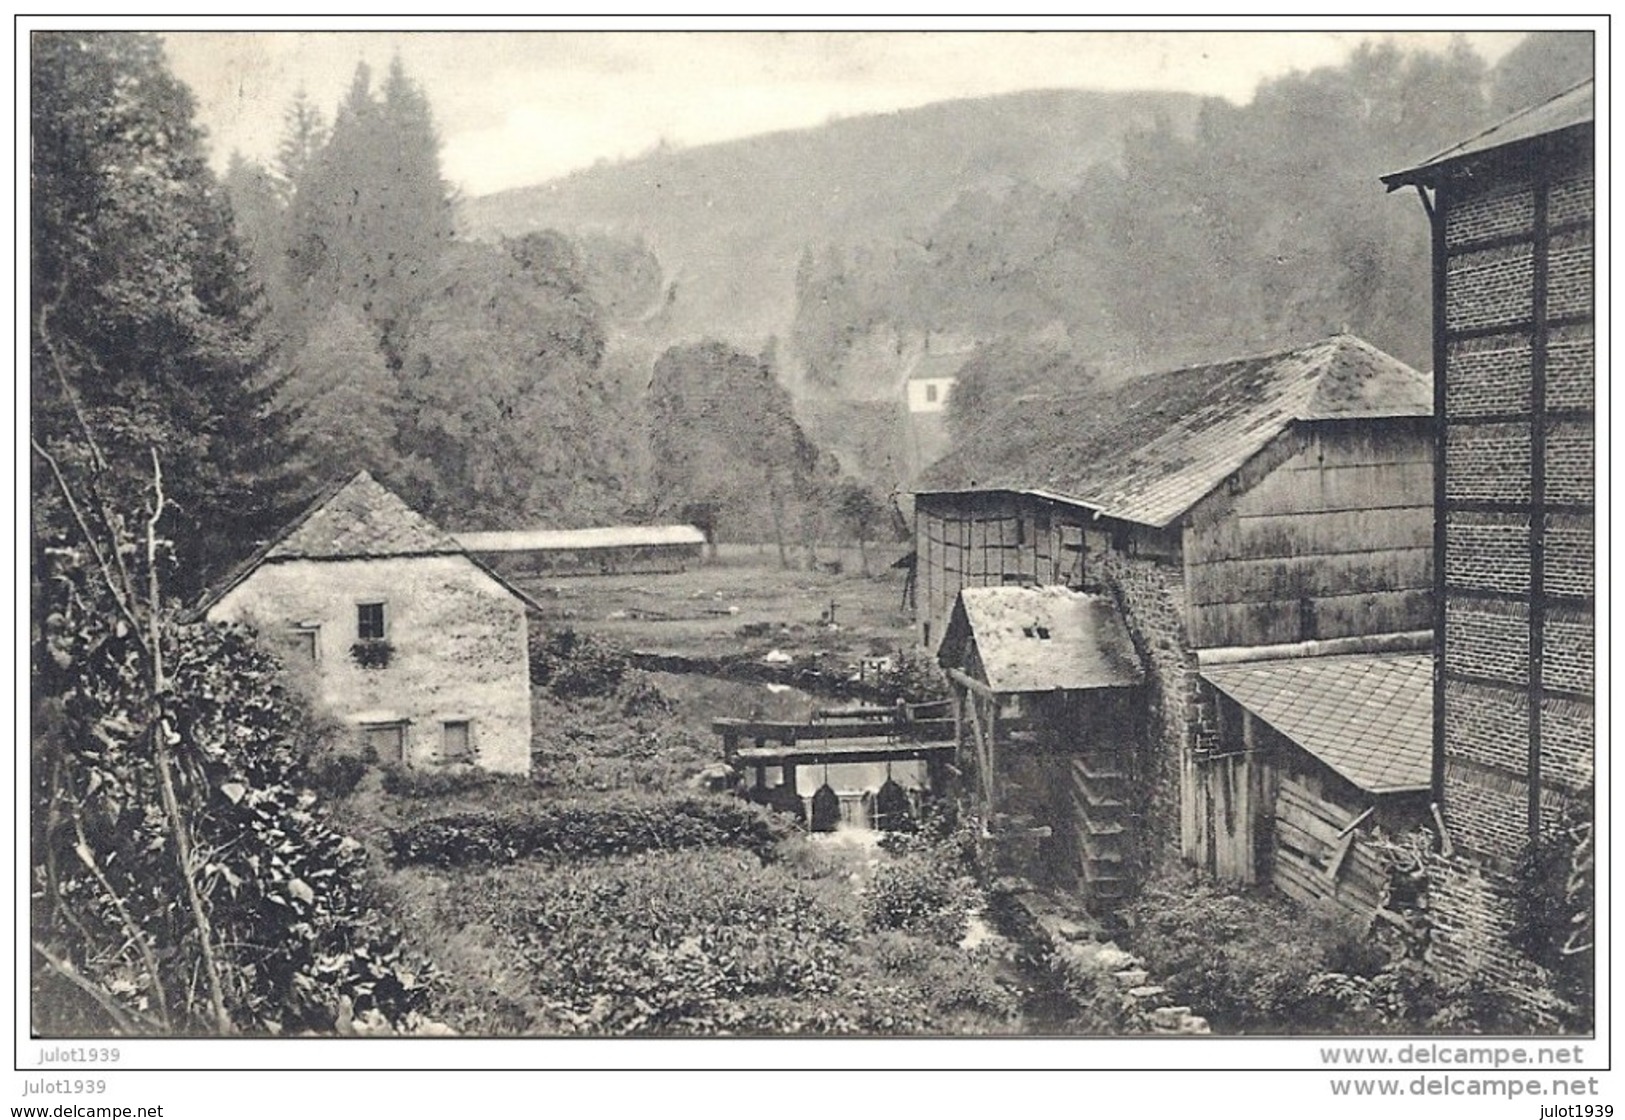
[(1046, 688)]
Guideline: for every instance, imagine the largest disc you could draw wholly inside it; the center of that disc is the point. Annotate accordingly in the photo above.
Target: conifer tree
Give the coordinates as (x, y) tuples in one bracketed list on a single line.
[(143, 308)]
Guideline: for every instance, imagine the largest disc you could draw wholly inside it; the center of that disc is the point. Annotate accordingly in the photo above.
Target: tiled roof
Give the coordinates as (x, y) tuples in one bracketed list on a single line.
[(1039, 639), (361, 519), (1367, 716), (1574, 106), (547, 540), (1149, 449)]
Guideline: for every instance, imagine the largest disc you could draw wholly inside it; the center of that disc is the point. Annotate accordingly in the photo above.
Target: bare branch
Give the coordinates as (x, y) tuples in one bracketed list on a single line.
[(131, 929), (163, 758), (59, 365), (127, 1018), (125, 607)]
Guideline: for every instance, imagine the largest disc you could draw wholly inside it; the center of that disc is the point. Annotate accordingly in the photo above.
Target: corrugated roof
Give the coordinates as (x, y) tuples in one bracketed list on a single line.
[(548, 540), (1367, 716), (361, 519), (1574, 106), (1149, 449), (1040, 639)]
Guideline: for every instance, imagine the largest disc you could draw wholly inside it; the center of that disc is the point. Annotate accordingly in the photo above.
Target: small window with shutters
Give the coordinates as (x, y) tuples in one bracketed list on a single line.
[(457, 740)]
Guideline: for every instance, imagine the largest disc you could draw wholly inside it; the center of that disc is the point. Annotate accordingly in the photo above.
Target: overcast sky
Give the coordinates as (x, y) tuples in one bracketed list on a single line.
[(516, 108)]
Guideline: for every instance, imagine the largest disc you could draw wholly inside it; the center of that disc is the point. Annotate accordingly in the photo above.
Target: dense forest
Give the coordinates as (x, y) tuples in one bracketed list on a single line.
[(1052, 237)]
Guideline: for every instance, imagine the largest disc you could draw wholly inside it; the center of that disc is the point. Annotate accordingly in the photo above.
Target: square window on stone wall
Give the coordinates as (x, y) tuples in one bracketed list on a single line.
[(306, 642), (457, 739), (370, 622), (387, 740)]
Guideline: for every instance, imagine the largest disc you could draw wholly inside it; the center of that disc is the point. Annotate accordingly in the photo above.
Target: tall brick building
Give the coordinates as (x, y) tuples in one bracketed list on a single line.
[(1512, 222)]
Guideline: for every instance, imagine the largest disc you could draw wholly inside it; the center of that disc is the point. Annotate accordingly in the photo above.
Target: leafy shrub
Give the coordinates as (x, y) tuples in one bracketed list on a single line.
[(333, 775), (696, 942), (914, 676), (372, 653), (572, 664), (1553, 902), (297, 942), (662, 942), (1243, 960), (921, 895), (1103, 1008), (586, 830), (402, 781)]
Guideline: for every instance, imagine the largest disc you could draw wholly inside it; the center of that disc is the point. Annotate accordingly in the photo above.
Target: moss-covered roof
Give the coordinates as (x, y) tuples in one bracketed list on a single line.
[(361, 519), (358, 520), (1040, 639), (1149, 449)]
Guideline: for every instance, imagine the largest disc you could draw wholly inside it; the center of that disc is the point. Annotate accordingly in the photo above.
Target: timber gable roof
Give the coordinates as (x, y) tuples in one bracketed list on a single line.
[(1041, 639), (1149, 449)]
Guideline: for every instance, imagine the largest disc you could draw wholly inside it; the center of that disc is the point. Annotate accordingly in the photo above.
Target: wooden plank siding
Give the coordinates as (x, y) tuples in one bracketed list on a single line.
[(990, 539), (1335, 540), (1321, 860)]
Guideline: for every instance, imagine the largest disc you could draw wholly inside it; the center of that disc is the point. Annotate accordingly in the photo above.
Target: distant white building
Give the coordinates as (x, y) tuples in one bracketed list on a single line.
[(930, 383), (932, 380)]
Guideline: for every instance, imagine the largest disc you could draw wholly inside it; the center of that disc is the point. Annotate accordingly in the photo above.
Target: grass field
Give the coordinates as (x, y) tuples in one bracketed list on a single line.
[(743, 603)]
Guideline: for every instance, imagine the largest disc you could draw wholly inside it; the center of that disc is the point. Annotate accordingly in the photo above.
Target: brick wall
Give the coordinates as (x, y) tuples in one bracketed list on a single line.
[(1472, 921), (1569, 463), (1567, 742), (1487, 639), (1506, 208), (1489, 551), (1570, 651), (1570, 367), (1488, 810), (1490, 613), (1489, 725), (1489, 287), (1570, 555), (1568, 278), (1487, 462), (1488, 375)]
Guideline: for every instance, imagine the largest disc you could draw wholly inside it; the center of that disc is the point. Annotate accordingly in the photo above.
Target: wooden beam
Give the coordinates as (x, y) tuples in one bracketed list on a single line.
[(970, 683), (926, 730)]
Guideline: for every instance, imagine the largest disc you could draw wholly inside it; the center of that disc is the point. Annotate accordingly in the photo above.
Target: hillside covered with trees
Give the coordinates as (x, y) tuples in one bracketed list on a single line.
[(492, 384), (1066, 236)]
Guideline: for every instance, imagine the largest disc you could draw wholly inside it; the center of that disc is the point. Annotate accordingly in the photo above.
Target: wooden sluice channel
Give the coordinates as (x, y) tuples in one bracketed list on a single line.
[(902, 734)]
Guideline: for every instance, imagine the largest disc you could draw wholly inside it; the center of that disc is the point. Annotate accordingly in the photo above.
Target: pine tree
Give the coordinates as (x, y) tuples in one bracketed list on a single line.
[(372, 216), (304, 133), (143, 307)]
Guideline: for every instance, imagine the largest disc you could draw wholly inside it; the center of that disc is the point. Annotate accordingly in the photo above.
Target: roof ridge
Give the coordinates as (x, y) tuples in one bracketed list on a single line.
[(1502, 122)]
